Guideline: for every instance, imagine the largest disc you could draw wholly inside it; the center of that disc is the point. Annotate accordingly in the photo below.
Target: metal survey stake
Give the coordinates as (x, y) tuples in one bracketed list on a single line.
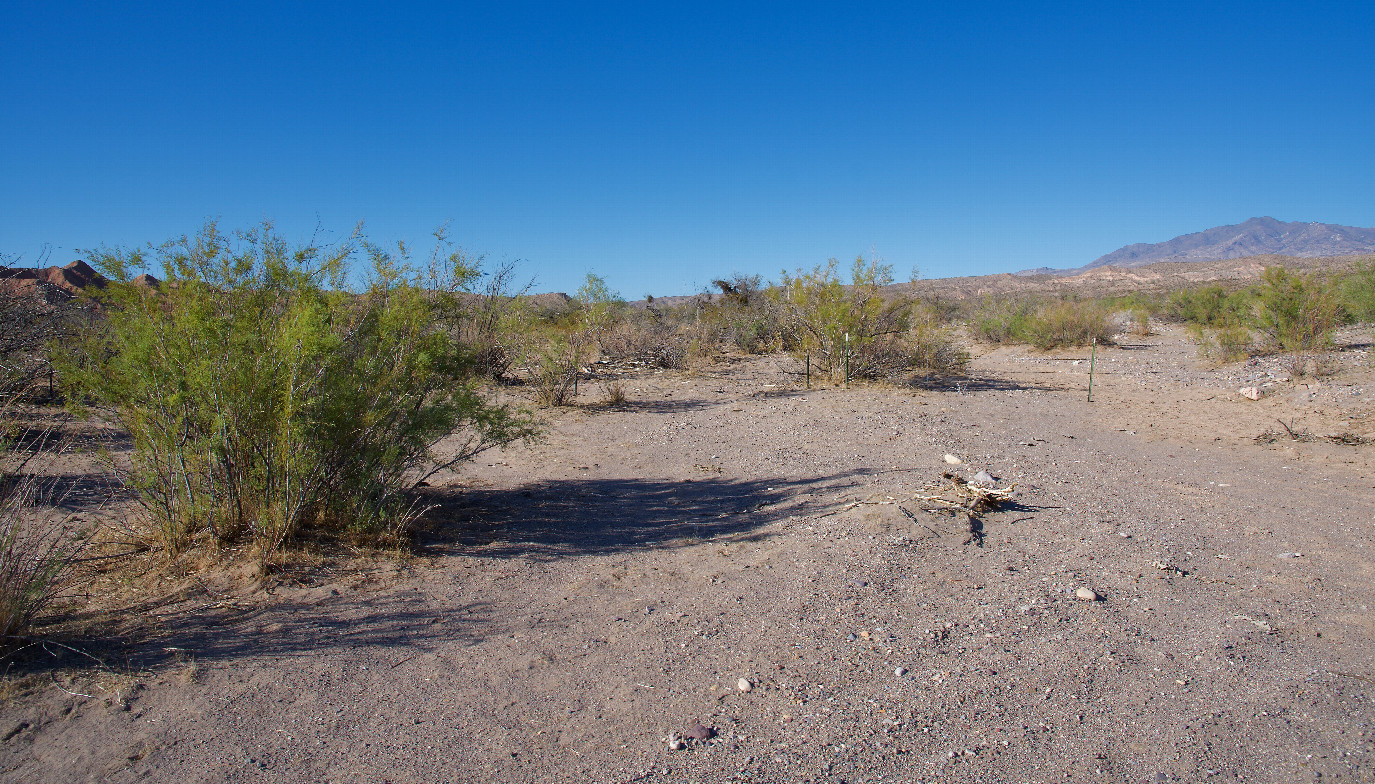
[(1093, 354)]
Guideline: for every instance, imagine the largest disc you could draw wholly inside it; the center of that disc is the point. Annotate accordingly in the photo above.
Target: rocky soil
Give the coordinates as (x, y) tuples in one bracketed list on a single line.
[(730, 578)]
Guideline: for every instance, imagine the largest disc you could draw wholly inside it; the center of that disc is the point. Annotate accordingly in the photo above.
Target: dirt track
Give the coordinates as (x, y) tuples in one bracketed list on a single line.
[(579, 604)]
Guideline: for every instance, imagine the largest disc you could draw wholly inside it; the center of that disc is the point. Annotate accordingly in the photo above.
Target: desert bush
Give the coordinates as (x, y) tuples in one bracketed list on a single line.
[(1066, 323), (1140, 322), (614, 392), (1002, 320), (1209, 306), (746, 316), (599, 308), (647, 336), (1222, 345), (1358, 293), (37, 545), (1297, 313), (496, 319), (556, 366), (932, 345), (852, 331), (263, 395)]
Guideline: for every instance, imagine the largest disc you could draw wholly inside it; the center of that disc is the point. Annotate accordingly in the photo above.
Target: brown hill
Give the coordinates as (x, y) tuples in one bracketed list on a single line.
[(53, 284)]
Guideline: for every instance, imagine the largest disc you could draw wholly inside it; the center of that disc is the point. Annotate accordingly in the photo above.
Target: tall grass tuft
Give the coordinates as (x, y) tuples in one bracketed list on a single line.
[(37, 542)]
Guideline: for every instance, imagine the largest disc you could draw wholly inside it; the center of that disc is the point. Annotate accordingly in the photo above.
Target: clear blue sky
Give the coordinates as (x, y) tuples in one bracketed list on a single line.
[(662, 145)]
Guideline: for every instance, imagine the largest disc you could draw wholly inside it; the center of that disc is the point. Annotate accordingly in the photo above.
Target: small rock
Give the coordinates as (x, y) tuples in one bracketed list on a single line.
[(1087, 594), (676, 745), (1291, 555), (983, 478), (1250, 393), (744, 685), (901, 671), (851, 637), (860, 583), (700, 732), (952, 460)]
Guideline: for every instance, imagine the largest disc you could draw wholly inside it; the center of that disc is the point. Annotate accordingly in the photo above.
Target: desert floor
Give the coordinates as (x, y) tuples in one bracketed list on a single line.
[(576, 608)]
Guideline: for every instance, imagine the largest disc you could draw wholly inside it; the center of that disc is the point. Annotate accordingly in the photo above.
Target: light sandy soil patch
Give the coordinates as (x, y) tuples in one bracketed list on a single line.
[(577, 608)]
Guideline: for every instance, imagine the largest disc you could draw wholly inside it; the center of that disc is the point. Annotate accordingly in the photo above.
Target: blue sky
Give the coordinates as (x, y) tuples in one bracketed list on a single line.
[(664, 145)]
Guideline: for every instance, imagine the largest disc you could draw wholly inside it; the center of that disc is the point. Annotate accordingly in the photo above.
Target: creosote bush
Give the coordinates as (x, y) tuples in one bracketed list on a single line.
[(852, 331), (265, 395), (1044, 324), (1298, 314), (1358, 293)]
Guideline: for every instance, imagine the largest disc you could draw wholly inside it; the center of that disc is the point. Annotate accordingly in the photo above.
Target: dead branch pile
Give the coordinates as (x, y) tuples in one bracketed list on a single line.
[(955, 496)]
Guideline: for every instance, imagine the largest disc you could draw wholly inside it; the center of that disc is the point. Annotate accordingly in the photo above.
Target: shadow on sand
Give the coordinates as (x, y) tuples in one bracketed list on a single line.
[(565, 517), (544, 520)]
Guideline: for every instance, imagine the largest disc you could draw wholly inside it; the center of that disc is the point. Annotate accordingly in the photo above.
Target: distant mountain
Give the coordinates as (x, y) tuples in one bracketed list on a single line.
[(52, 284), (1255, 237)]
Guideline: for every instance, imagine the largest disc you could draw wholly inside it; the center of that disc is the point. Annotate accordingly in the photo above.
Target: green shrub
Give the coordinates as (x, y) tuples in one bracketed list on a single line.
[(931, 344), (1068, 323), (1002, 320), (848, 332), (1210, 306), (556, 367), (747, 315), (1297, 312), (1141, 321), (1225, 344), (852, 331), (262, 395), (1358, 293)]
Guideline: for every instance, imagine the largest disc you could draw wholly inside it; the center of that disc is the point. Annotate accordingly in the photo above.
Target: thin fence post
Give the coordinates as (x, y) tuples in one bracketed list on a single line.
[(809, 370), (847, 360), (1093, 355)]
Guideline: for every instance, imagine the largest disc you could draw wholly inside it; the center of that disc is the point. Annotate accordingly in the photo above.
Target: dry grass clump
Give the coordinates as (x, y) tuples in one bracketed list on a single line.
[(38, 541), (614, 392)]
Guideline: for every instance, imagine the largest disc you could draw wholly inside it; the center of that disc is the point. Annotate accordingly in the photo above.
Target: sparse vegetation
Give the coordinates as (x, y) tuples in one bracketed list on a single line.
[(1046, 325)]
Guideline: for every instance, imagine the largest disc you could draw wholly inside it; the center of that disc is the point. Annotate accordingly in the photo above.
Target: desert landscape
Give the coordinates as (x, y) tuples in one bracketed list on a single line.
[(728, 576), (655, 393)]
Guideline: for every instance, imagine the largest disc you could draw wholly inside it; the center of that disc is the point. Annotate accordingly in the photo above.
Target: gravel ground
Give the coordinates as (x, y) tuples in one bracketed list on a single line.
[(579, 610)]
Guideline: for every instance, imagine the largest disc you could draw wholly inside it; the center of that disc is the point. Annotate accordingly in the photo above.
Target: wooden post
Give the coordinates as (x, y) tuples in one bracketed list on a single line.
[(809, 370)]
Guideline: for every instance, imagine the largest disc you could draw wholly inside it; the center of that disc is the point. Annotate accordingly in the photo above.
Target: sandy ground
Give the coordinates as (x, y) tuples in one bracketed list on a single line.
[(577, 607)]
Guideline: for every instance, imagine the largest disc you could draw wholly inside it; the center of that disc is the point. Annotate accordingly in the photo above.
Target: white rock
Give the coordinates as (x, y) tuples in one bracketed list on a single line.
[(901, 671), (952, 460), (744, 685), (1087, 594), (983, 478), (676, 745), (1250, 393)]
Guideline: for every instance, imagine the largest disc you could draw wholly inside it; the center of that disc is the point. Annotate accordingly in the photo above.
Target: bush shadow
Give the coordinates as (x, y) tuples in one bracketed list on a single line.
[(565, 517), (963, 384), (201, 627)]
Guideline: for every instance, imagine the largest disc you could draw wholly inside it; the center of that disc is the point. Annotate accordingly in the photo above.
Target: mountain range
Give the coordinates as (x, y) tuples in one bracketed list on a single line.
[(1255, 237)]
